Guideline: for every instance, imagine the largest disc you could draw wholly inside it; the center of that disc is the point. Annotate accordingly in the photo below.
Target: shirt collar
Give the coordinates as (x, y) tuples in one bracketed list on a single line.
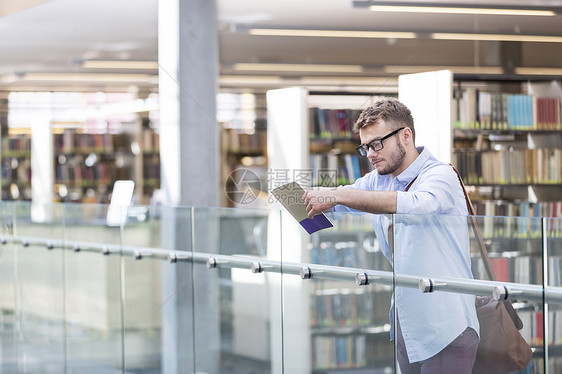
[(415, 167)]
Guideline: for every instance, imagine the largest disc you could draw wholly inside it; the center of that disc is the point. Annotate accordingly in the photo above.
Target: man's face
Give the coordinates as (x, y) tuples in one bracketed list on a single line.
[(389, 159)]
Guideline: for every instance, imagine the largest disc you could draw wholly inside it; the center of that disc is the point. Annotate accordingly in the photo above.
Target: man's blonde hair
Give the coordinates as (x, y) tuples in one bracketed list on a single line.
[(389, 109)]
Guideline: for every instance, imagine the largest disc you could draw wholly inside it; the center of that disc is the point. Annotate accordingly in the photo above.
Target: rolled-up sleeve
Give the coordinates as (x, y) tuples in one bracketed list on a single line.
[(362, 183)]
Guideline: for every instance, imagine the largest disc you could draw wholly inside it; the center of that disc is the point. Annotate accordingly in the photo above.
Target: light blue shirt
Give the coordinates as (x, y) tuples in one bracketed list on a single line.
[(431, 240)]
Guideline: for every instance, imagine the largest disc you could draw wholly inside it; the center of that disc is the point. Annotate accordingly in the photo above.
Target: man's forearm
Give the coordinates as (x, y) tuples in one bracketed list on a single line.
[(376, 202)]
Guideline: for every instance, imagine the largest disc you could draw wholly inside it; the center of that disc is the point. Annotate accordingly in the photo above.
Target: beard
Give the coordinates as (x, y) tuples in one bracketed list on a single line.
[(394, 160)]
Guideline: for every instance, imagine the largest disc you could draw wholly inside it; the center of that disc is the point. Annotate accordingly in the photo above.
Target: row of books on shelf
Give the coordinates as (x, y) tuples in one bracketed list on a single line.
[(16, 145), (332, 123), (69, 142), (150, 141), (73, 142), (533, 331), (349, 308), (21, 193), (333, 352), (522, 219), (333, 146), (240, 142), (477, 109), (80, 174), (337, 169), (151, 168), (347, 254), (533, 327), (18, 171), (524, 166), (555, 272), (356, 350), (523, 269), (554, 365)]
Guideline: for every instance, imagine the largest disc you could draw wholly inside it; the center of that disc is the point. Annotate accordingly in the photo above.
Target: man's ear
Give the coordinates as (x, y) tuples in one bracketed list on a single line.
[(408, 136)]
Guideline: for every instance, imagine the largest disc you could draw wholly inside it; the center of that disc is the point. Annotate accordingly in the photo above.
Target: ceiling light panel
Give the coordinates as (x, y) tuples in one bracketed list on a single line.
[(538, 71), (86, 77), (408, 69), (457, 8), (120, 64), (321, 68), (332, 33), (497, 37), (405, 35)]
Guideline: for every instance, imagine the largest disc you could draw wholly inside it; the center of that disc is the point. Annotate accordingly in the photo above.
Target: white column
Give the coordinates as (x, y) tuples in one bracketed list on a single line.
[(189, 146), (287, 153), (42, 167), (189, 132), (429, 96)]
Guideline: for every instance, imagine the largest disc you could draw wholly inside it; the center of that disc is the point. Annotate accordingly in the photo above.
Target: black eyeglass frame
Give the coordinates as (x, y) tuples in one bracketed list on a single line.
[(376, 144)]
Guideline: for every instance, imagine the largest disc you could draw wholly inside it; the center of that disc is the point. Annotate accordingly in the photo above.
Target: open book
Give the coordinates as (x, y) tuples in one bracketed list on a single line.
[(290, 195)]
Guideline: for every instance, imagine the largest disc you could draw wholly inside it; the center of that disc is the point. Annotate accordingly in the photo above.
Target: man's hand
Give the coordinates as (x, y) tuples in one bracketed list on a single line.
[(319, 199)]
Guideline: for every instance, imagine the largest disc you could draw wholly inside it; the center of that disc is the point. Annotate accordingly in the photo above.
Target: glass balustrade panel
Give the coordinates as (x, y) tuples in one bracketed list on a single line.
[(442, 285), (92, 299), (237, 290), (8, 292), (337, 287), (553, 293), (38, 344), (158, 290)]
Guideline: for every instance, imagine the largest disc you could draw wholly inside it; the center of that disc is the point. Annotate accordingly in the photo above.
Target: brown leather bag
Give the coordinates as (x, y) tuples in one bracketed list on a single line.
[(502, 349)]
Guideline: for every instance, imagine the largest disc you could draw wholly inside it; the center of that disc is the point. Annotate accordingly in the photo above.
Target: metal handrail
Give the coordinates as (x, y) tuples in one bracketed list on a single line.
[(362, 277)]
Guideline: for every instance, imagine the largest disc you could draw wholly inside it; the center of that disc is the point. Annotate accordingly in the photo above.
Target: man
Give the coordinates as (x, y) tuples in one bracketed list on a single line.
[(436, 332)]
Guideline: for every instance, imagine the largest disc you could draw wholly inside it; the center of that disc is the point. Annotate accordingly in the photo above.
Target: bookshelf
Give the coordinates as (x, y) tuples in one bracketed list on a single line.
[(16, 167), (507, 142), (333, 159), (150, 147), (87, 165), (505, 139), (242, 150), (320, 149), (303, 128), (97, 138), (243, 143), (349, 326)]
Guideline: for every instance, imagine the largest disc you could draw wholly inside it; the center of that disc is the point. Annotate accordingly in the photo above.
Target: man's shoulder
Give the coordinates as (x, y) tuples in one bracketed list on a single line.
[(438, 170), (430, 161), (437, 166)]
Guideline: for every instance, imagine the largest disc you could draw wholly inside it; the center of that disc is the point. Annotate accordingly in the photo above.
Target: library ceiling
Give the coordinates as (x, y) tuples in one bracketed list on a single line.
[(45, 41)]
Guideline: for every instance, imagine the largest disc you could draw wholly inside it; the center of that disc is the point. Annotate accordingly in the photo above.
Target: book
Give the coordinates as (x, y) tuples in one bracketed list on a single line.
[(291, 196)]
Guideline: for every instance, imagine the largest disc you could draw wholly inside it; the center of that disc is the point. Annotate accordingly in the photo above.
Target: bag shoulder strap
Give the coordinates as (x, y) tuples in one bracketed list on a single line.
[(478, 235), (410, 184), (484, 252), (481, 246)]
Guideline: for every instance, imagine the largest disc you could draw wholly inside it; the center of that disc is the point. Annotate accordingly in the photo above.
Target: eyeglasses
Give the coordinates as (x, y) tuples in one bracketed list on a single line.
[(375, 145)]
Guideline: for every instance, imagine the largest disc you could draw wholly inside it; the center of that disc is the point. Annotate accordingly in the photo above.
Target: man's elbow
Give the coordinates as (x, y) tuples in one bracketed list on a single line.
[(426, 206)]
